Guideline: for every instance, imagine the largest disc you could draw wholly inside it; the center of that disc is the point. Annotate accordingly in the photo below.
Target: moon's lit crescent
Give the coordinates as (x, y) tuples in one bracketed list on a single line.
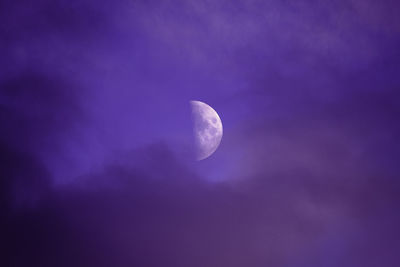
[(207, 129)]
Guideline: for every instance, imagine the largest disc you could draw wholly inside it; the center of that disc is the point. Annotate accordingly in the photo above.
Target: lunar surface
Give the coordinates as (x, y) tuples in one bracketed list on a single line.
[(207, 129)]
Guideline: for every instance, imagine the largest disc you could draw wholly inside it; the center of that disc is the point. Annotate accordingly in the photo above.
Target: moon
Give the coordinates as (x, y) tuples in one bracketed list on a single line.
[(207, 129)]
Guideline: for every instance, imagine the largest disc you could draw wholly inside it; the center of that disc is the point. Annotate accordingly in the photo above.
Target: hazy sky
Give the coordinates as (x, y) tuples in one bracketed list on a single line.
[(96, 143)]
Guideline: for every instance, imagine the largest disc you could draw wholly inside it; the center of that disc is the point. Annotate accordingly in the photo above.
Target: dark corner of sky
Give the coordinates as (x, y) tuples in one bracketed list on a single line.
[(199, 133)]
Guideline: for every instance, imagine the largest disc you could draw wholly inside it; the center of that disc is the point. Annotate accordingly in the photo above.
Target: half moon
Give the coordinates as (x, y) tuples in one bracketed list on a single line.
[(207, 129)]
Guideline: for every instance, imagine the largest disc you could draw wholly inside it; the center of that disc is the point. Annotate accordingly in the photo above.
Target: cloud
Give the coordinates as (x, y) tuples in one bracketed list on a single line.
[(156, 212)]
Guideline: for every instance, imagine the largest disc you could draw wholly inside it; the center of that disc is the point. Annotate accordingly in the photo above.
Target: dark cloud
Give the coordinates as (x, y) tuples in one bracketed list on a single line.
[(159, 213)]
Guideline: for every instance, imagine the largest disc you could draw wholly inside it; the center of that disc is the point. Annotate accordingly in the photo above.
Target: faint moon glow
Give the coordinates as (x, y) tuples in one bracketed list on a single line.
[(207, 129)]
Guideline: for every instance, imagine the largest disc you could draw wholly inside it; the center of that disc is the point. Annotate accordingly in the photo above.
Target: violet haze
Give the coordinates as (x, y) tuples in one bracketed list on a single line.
[(96, 148)]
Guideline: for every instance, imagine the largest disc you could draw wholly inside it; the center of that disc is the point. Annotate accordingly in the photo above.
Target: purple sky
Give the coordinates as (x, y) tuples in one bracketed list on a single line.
[(96, 149)]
